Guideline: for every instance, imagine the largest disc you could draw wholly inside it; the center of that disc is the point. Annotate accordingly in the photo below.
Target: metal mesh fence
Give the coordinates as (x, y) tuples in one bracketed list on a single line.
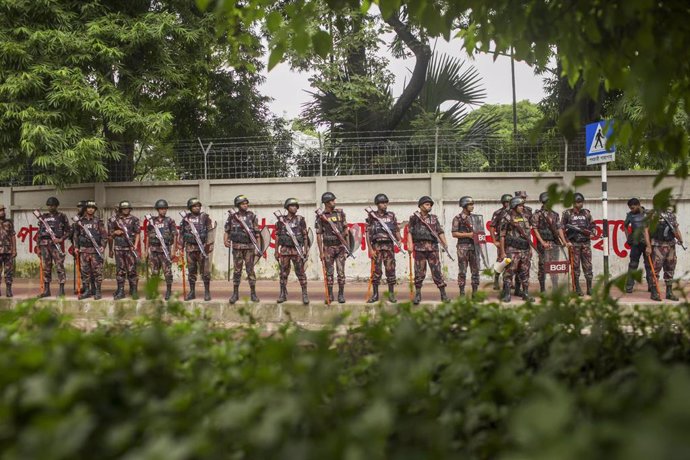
[(300, 155)]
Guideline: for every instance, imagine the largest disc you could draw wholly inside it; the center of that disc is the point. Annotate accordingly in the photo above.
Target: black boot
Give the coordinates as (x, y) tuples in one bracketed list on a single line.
[(61, 290), (341, 293), (629, 284), (282, 297), (252, 293), (391, 293), (374, 294), (305, 296), (497, 276), (8, 291), (589, 286), (669, 293), (462, 292), (475, 288), (542, 285), (330, 298), (444, 296), (120, 291), (578, 289), (86, 292), (417, 296), (93, 286), (525, 294), (97, 292), (506, 292), (655, 294), (207, 291), (235, 293), (191, 295), (168, 289), (46, 291), (133, 292)]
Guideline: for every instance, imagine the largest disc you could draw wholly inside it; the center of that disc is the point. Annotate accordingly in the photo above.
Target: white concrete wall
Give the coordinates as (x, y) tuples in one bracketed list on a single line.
[(353, 193)]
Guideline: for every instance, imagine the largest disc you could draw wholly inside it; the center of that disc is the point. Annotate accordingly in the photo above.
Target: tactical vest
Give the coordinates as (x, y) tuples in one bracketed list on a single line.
[(336, 217), (637, 224), (237, 232), (284, 238), (163, 227), (130, 223), (92, 226), (544, 227), (378, 233), (56, 222), (6, 235), (421, 232), (199, 223), (580, 221), (464, 226), (663, 231), (514, 237)]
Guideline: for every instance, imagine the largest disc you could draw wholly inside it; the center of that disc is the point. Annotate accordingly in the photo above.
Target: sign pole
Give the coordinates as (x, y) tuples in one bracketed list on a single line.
[(605, 212)]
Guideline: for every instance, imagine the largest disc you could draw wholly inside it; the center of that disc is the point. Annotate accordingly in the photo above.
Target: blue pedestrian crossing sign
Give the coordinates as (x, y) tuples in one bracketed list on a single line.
[(596, 136)]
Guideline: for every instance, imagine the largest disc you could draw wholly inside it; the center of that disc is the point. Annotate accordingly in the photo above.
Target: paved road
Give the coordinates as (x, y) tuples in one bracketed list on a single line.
[(356, 292)]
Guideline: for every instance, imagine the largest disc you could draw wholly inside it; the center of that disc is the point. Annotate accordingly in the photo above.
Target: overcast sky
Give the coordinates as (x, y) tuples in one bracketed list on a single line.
[(288, 89)]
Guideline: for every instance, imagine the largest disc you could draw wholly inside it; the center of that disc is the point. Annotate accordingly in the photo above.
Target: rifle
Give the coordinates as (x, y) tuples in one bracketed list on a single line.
[(247, 230), (557, 240), (123, 228), (409, 254), (159, 235), (37, 213), (433, 232), (372, 213), (583, 231), (88, 233), (293, 237), (195, 233), (319, 214), (674, 230), (524, 235)]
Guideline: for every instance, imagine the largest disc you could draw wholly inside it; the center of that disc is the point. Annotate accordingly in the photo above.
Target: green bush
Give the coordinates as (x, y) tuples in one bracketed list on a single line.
[(555, 381)]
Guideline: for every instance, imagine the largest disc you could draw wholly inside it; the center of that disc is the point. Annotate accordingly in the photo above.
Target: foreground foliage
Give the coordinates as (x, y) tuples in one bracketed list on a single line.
[(464, 380)]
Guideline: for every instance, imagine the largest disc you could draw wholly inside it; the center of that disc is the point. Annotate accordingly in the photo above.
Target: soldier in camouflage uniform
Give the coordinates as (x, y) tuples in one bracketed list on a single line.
[(243, 250), (381, 248), (661, 245), (59, 224), (634, 225), (495, 230), (125, 256), (578, 225), (463, 230), (547, 226), (426, 249), (515, 244), (331, 251), (91, 263), (196, 262), (8, 249), (81, 209), (528, 214), (168, 230), (286, 252)]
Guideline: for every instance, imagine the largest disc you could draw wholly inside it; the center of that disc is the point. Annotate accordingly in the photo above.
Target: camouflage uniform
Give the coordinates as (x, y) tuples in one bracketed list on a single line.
[(582, 245), (243, 250), (467, 253), (195, 261), (334, 252), (287, 253), (91, 264), (546, 222), (497, 225), (517, 248), (382, 245), (166, 226), (637, 224), (6, 259), (664, 247), (125, 260), (426, 250), (59, 223)]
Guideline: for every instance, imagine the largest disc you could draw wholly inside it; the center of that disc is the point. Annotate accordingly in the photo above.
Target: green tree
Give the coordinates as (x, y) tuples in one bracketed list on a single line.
[(529, 118)]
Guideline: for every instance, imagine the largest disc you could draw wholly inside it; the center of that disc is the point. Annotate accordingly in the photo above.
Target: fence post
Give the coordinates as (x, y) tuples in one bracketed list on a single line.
[(565, 161), (320, 156), (205, 151), (436, 151)]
